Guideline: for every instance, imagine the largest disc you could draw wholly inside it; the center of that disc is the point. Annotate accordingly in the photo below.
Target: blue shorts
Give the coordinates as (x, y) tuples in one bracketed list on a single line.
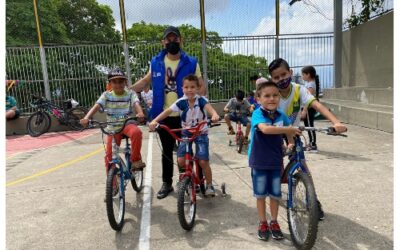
[(266, 183), (243, 119), (201, 148)]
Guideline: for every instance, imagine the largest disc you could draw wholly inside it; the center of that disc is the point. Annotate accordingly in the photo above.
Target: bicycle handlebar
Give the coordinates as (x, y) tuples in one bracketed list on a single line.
[(328, 130), (103, 125), (195, 131)]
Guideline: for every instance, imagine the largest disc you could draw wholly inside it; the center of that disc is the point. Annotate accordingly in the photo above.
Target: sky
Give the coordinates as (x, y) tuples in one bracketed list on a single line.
[(236, 17)]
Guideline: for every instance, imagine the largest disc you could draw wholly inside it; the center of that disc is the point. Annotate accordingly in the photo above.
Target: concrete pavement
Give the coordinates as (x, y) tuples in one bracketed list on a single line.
[(61, 204)]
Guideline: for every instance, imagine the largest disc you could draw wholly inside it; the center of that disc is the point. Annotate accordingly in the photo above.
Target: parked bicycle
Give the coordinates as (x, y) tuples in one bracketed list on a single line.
[(120, 173), (40, 121), (190, 178), (302, 208)]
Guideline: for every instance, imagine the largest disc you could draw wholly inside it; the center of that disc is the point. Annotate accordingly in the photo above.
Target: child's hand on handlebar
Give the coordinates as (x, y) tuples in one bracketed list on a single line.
[(140, 116), (84, 122), (292, 132), (215, 118), (339, 127), (152, 125)]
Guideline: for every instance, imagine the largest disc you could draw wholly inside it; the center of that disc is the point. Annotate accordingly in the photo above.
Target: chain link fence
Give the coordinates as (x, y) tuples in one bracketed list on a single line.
[(80, 49)]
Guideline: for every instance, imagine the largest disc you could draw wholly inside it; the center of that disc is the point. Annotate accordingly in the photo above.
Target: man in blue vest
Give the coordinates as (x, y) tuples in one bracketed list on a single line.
[(167, 69)]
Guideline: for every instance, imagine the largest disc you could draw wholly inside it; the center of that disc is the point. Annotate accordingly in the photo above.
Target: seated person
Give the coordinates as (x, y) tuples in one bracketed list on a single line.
[(12, 111), (238, 109)]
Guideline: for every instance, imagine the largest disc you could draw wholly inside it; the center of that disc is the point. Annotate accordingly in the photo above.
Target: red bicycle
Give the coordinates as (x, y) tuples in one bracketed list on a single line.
[(239, 137), (191, 177)]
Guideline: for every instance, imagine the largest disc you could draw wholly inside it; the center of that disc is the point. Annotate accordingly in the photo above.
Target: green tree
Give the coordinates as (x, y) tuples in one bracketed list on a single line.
[(88, 21), (21, 25), (368, 7)]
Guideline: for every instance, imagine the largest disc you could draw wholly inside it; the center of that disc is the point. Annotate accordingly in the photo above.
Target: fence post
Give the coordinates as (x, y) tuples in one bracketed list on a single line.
[(42, 53), (277, 29), (203, 45), (337, 53), (125, 43)]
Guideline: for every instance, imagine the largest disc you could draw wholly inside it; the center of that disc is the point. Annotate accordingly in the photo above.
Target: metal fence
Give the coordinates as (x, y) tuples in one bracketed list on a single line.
[(79, 71)]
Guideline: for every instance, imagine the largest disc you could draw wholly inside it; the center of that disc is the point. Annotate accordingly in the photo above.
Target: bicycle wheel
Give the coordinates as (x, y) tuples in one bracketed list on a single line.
[(137, 180), (115, 199), (74, 116), (38, 123), (303, 216), (239, 145), (186, 204)]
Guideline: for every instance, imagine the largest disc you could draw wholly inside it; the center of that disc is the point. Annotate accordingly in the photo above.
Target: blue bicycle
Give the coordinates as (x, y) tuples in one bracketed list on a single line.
[(119, 174), (302, 208)]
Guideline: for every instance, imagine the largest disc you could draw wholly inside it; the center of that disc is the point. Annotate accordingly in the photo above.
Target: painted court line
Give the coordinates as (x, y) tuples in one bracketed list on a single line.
[(144, 240), (66, 164)]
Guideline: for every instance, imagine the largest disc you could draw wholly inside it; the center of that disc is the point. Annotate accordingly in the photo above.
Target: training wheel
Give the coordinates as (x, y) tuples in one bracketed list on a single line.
[(223, 189)]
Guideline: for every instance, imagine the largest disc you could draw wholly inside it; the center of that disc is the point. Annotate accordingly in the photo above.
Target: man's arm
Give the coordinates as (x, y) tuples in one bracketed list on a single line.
[(202, 89), (140, 84)]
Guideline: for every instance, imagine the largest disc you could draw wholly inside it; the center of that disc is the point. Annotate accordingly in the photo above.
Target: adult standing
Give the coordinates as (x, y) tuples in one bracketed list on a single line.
[(167, 70)]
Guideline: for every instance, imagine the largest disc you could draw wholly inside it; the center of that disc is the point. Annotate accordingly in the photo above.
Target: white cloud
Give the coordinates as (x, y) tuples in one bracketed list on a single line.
[(173, 12), (298, 18)]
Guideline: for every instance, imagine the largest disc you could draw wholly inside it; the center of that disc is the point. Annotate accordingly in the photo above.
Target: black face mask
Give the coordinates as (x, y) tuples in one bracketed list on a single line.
[(173, 48)]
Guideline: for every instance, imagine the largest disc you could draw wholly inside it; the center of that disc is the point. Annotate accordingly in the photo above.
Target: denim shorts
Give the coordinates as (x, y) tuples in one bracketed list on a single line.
[(243, 119), (266, 183), (201, 148)]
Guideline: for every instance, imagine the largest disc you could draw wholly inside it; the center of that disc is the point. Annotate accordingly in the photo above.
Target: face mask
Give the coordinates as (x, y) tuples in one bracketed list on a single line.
[(283, 84), (173, 48)]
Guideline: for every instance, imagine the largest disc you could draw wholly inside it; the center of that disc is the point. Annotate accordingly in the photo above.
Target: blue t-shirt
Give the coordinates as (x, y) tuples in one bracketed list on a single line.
[(265, 150)]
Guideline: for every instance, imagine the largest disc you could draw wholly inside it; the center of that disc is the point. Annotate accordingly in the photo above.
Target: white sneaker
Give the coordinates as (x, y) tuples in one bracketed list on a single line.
[(210, 191)]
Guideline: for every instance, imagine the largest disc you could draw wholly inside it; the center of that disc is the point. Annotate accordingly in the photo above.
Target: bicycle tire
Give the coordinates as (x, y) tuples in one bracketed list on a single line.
[(74, 116), (240, 144), (306, 239), (38, 123), (186, 189), (137, 180), (115, 197)]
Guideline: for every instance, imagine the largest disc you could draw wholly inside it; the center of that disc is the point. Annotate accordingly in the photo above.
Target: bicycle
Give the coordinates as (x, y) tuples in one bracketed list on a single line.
[(40, 121), (239, 136), (302, 211), (119, 174), (190, 178)]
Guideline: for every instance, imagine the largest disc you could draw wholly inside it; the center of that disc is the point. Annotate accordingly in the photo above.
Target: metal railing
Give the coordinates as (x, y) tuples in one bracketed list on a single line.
[(79, 71)]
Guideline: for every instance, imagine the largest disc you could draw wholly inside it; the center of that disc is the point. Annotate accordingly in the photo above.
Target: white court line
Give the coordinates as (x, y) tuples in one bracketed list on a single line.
[(144, 240)]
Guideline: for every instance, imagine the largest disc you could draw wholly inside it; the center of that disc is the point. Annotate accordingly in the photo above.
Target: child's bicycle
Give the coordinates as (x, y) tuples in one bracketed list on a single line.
[(239, 136), (190, 178), (40, 121), (302, 208), (119, 174)]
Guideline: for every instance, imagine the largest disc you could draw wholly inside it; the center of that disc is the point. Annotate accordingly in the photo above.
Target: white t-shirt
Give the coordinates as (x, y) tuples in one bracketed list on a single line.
[(298, 98), (311, 85)]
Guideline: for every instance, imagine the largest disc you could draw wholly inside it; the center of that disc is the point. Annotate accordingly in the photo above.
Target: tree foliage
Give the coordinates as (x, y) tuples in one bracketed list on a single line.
[(61, 22), (368, 7)]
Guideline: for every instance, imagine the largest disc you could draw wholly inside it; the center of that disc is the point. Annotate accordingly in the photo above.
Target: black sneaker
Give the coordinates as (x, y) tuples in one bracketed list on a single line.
[(275, 230), (164, 190), (313, 149), (263, 231), (321, 214)]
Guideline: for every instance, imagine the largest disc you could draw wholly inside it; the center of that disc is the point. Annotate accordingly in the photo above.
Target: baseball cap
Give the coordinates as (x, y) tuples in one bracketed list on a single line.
[(116, 73), (261, 80), (171, 29)]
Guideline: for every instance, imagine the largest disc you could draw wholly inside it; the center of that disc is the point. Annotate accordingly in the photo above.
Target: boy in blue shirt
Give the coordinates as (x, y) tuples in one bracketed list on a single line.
[(266, 156)]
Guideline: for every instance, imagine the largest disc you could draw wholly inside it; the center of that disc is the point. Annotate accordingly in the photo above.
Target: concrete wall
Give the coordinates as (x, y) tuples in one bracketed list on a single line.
[(367, 54)]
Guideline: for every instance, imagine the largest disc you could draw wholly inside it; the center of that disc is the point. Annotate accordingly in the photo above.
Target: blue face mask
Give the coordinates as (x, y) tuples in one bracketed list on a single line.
[(283, 84)]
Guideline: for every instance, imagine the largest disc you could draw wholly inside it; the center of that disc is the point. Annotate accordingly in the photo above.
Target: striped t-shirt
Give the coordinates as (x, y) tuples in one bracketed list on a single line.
[(117, 107)]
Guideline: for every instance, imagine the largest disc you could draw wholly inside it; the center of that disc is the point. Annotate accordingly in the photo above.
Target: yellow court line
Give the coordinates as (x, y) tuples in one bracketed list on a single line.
[(66, 164)]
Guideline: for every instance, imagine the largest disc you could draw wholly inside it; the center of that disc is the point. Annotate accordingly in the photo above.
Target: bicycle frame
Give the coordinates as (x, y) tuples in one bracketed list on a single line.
[(299, 163), (116, 160), (189, 159)]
